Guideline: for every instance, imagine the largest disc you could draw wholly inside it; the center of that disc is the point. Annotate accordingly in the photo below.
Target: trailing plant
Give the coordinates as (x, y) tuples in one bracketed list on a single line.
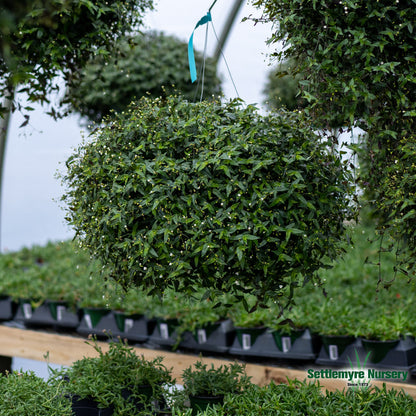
[(210, 381), (25, 394), (174, 194), (150, 63)]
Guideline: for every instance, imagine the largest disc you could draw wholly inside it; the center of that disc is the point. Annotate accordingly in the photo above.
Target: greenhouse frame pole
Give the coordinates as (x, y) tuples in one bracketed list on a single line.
[(4, 128), (226, 30)]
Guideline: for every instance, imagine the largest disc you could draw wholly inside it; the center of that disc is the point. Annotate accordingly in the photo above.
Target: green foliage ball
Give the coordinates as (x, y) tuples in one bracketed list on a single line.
[(150, 63), (177, 194)]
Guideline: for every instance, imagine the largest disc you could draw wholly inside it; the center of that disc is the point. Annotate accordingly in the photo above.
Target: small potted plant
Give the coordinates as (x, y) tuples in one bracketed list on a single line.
[(94, 304), (25, 394), (205, 328), (206, 386), (249, 325), (130, 312), (116, 380), (378, 337), (167, 312), (287, 328), (336, 323)]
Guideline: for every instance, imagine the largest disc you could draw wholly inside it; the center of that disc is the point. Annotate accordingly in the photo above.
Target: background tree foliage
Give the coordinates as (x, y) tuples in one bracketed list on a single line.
[(150, 63), (177, 194), (282, 88), (358, 58), (57, 37)]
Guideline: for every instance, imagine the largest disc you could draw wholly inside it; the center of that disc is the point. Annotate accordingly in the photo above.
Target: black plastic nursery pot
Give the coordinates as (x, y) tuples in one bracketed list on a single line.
[(378, 350), (247, 336), (303, 347), (201, 403), (285, 341), (145, 392), (165, 332), (25, 310), (215, 337), (97, 321), (339, 350), (89, 407), (8, 308), (398, 354), (63, 316), (335, 345), (135, 327), (33, 316)]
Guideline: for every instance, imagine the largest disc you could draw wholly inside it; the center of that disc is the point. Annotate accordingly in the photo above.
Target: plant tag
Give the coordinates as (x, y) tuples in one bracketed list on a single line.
[(202, 336), (27, 310), (164, 331), (333, 352), (246, 338), (60, 309), (286, 344), (128, 324), (88, 321)]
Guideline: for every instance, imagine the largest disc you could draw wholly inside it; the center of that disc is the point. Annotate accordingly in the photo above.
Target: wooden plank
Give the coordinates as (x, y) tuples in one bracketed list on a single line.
[(65, 349)]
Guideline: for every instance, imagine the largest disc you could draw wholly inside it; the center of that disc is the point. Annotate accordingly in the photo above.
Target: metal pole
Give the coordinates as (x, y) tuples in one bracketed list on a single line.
[(4, 127), (226, 30)]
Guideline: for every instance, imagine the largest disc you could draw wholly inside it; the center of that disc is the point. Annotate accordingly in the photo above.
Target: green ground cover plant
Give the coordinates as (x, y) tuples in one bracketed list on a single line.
[(25, 394), (355, 304), (301, 398), (203, 380), (115, 378)]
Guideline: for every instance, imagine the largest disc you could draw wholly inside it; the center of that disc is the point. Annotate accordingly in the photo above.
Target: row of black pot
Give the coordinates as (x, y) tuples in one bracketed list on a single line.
[(221, 337), (89, 407)]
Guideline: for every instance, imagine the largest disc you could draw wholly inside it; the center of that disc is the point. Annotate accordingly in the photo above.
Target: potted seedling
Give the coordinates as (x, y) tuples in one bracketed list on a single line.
[(207, 386), (204, 325), (379, 336), (26, 394), (130, 311), (116, 380), (167, 312), (249, 325), (335, 323), (287, 327)]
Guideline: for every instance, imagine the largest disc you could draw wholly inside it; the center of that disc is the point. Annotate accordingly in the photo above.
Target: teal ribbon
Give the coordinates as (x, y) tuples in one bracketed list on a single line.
[(191, 57)]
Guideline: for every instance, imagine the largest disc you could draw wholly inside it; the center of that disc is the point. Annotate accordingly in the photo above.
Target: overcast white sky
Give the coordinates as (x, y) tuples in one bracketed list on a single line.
[(30, 213)]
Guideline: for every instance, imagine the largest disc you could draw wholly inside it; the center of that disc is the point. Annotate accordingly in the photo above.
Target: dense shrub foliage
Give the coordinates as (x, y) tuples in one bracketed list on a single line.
[(172, 194), (359, 66), (150, 63)]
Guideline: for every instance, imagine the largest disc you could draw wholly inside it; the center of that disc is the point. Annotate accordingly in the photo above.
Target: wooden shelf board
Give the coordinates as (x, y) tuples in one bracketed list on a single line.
[(65, 349)]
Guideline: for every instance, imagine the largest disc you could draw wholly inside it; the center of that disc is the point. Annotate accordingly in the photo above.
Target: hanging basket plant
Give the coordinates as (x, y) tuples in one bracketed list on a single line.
[(177, 194)]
